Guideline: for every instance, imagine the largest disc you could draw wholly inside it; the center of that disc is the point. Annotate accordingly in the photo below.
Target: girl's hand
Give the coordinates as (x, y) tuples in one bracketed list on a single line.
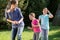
[(29, 28)]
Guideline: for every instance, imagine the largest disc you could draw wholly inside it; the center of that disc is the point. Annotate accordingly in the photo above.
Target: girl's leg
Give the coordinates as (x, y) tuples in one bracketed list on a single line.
[(34, 36), (42, 34), (46, 34), (37, 36)]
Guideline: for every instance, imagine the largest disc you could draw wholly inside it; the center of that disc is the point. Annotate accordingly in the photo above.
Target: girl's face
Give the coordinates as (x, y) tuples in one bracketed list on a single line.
[(45, 11), (30, 17)]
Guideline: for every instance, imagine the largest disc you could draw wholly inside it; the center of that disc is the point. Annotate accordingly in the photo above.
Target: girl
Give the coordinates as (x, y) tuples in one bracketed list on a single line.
[(44, 18), (35, 26)]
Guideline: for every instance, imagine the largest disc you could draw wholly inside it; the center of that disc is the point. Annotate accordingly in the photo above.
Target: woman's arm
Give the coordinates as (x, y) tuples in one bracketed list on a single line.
[(20, 14), (14, 22), (20, 20)]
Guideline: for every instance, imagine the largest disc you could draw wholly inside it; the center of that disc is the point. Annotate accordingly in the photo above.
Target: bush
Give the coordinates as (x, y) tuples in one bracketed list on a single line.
[(27, 6)]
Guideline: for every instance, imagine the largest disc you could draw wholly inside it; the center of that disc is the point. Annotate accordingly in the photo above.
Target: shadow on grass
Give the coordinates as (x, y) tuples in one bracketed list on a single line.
[(4, 30), (55, 36), (54, 28), (27, 30)]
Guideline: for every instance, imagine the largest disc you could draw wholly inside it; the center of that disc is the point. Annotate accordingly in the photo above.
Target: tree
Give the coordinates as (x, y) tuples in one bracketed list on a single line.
[(56, 20), (3, 4), (28, 6), (54, 7), (35, 6)]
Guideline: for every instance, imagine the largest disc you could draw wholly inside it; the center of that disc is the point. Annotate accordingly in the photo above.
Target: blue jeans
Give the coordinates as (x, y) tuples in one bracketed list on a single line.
[(44, 34), (17, 31)]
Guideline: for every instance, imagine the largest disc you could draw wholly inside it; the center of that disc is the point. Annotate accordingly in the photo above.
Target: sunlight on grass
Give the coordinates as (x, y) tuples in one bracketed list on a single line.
[(56, 39), (5, 35), (27, 35), (54, 34)]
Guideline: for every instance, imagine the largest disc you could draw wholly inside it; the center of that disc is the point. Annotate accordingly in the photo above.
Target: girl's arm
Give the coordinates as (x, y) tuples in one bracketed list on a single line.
[(50, 14), (30, 28), (38, 25)]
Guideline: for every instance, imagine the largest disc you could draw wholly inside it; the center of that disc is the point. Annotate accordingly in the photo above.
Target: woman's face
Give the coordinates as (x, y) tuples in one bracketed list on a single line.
[(13, 6)]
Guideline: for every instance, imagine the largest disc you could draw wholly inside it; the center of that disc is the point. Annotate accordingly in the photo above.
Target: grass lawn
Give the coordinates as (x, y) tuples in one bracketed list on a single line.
[(54, 34)]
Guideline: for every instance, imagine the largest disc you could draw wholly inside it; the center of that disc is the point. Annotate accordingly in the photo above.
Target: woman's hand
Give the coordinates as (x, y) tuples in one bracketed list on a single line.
[(8, 11), (15, 22)]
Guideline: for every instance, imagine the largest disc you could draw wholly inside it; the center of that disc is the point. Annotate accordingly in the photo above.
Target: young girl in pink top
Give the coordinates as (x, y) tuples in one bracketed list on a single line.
[(35, 26)]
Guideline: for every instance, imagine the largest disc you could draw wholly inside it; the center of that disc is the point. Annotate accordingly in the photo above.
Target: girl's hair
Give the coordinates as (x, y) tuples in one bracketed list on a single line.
[(44, 8), (32, 14)]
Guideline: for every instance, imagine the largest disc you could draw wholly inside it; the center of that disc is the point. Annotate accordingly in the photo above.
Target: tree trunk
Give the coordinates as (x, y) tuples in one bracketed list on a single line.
[(56, 20)]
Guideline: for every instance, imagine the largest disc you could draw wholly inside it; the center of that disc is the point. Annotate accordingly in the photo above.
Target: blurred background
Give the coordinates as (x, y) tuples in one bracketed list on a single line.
[(28, 6)]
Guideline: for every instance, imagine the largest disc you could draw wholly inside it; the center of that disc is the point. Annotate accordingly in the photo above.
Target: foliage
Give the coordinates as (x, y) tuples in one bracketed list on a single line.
[(28, 6), (35, 6), (3, 4)]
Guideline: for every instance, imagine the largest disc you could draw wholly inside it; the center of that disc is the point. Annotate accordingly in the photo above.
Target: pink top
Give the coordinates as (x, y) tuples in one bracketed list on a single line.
[(36, 29)]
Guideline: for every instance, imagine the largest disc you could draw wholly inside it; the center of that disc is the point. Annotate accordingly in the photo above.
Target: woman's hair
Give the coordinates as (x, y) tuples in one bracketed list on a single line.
[(8, 6), (32, 14), (13, 2)]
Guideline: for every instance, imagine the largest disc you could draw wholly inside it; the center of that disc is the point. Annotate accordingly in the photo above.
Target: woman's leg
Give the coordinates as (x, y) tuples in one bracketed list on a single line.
[(14, 32), (19, 33), (34, 36)]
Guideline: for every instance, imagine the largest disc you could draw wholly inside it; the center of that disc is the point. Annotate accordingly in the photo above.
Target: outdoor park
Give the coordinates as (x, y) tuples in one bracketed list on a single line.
[(28, 6)]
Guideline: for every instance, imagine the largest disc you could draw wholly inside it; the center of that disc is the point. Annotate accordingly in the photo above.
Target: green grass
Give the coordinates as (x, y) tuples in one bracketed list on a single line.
[(54, 34)]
